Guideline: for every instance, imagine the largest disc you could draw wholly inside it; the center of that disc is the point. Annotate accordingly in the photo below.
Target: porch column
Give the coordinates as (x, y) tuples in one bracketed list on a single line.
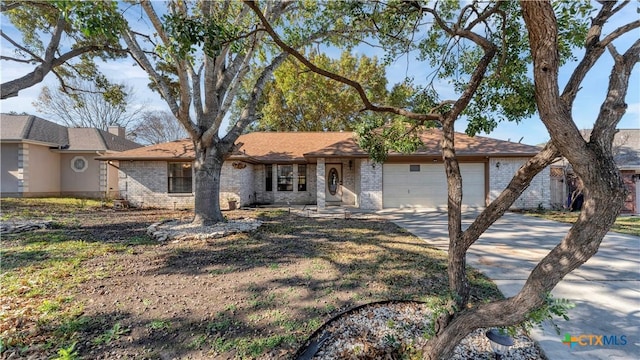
[(370, 185), (320, 181), (23, 169)]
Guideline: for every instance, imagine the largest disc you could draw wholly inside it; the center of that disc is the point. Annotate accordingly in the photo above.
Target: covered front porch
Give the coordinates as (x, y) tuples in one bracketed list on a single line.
[(348, 182)]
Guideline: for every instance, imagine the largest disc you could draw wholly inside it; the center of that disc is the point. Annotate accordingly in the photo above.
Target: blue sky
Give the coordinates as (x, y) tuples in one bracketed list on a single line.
[(531, 131)]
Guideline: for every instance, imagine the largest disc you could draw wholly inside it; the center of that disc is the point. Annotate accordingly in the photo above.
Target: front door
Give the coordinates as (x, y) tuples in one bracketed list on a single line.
[(333, 189)]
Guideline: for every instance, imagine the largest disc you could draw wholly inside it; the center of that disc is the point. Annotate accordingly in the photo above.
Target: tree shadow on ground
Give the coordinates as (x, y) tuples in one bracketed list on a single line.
[(262, 294), (247, 295)]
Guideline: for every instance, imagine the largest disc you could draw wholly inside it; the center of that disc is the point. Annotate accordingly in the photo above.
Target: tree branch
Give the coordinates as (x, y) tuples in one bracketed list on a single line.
[(614, 106), (10, 6), (8, 58), (620, 31), (482, 17), (336, 77), (476, 77), (182, 112), (248, 113), (518, 184), (595, 48), (20, 47), (136, 52)]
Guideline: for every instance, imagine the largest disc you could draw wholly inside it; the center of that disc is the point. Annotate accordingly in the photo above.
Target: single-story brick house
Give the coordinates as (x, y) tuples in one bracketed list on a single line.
[(328, 169), (41, 158)]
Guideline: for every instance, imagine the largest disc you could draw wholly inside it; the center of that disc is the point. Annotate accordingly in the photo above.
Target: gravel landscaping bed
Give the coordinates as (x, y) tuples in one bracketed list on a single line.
[(389, 329)]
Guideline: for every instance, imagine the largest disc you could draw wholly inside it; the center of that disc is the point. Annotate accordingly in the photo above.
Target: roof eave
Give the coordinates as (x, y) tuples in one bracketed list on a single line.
[(144, 158), (27, 141), (629, 167)]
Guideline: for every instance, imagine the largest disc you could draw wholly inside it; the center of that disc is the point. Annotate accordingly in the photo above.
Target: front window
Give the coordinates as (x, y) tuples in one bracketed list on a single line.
[(268, 179), (302, 177), (285, 177), (180, 177)]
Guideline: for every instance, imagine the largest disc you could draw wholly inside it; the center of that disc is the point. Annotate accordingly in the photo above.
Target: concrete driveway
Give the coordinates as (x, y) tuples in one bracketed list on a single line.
[(605, 290)]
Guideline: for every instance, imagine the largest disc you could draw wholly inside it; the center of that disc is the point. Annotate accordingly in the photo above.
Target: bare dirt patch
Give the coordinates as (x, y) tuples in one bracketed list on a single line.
[(256, 295)]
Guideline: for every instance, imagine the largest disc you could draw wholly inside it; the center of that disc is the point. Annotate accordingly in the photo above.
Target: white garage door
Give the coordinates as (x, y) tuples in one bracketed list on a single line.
[(425, 185)]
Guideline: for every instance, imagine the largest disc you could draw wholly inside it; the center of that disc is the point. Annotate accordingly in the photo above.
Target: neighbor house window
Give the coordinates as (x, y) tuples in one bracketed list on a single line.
[(302, 177), (180, 177), (414, 168), (285, 177), (268, 177), (79, 164)]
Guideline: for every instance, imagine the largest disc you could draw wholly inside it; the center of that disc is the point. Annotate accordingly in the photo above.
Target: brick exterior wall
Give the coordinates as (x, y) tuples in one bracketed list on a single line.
[(145, 183), (274, 196), (349, 194), (259, 179), (370, 196), (630, 202), (237, 182), (537, 194)]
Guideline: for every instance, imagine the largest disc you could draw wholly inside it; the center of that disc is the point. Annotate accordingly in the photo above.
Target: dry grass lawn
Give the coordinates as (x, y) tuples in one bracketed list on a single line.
[(95, 286), (624, 224)]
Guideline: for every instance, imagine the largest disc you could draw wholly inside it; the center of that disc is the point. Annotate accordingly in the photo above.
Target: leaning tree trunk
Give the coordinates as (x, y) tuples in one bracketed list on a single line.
[(603, 202), (456, 269), (207, 169), (592, 161)]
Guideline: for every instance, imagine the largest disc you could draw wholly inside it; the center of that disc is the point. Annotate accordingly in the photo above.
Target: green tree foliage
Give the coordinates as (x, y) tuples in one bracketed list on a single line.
[(381, 133), (297, 99), (62, 37)]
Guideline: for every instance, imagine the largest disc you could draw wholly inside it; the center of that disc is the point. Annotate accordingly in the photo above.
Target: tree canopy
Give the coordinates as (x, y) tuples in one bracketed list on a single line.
[(60, 37), (297, 99)]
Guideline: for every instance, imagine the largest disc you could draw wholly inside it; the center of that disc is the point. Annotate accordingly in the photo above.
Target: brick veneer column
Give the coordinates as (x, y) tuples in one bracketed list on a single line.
[(370, 185), (320, 170)]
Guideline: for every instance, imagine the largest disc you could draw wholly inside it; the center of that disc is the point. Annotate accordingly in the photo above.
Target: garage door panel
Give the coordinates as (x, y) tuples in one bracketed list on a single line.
[(427, 188)]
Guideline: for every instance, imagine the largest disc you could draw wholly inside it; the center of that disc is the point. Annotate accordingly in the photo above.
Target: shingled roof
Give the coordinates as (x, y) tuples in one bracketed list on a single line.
[(29, 128), (32, 128), (465, 146), (174, 150), (270, 147), (626, 147)]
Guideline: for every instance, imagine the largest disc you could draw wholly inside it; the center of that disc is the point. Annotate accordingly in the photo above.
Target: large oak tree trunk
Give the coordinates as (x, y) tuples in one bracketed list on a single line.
[(207, 169)]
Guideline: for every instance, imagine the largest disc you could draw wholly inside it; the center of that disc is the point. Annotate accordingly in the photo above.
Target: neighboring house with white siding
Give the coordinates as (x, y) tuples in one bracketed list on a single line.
[(329, 169), (40, 158)]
